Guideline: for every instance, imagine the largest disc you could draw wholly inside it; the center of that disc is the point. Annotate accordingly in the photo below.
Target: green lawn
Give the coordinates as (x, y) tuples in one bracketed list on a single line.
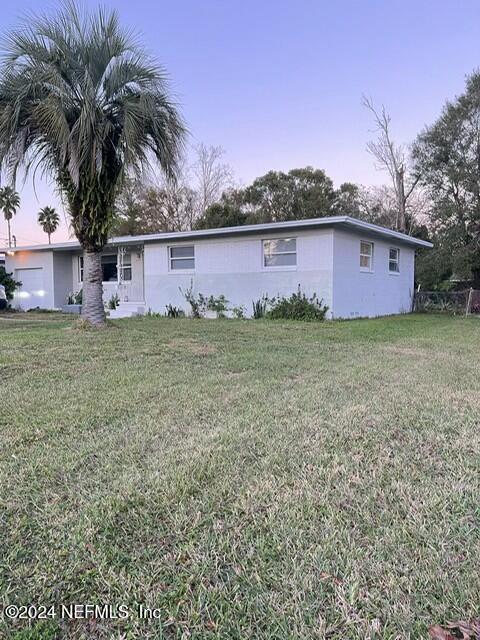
[(250, 479)]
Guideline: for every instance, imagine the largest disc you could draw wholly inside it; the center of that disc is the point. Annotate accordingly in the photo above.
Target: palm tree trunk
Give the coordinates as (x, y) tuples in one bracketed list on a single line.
[(9, 234), (49, 241), (92, 302)]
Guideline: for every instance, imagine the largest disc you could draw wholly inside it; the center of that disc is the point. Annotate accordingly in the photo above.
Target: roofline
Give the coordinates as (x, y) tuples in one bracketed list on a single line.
[(309, 223)]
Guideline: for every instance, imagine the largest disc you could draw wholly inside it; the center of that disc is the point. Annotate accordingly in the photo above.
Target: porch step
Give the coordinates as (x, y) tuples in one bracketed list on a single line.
[(127, 310)]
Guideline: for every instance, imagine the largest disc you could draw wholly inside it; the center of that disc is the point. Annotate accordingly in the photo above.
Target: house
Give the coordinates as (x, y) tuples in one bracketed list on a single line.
[(358, 268)]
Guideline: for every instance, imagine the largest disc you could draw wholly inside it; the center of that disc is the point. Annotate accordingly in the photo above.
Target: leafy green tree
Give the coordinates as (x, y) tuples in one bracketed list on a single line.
[(447, 156), (143, 209), (49, 220), (433, 266), (221, 214), (348, 200), (274, 197), (128, 209), (80, 98), (9, 203), (298, 194)]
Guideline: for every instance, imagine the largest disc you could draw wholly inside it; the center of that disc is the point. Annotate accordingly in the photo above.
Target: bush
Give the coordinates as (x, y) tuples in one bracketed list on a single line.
[(8, 282), (173, 312), (198, 303), (75, 298), (238, 312), (297, 307), (260, 307), (219, 305), (113, 302)]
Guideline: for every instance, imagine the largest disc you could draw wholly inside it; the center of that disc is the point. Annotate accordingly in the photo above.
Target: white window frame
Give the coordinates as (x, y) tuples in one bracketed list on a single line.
[(367, 255), (280, 267), (170, 258), (394, 272), (122, 266)]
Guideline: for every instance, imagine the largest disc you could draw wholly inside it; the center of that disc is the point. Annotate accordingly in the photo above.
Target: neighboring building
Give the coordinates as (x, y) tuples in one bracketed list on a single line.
[(359, 269)]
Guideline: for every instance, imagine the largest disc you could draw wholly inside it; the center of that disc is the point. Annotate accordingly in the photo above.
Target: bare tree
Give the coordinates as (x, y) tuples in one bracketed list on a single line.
[(212, 175), (391, 157), (379, 205)]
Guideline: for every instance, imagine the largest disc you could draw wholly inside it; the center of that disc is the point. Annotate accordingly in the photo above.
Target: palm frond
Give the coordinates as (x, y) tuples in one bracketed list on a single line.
[(80, 98)]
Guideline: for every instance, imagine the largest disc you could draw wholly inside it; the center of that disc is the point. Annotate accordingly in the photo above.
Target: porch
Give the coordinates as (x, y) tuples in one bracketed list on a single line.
[(122, 278)]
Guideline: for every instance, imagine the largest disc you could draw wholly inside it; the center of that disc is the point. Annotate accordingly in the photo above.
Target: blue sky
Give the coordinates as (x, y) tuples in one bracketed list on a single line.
[(278, 84)]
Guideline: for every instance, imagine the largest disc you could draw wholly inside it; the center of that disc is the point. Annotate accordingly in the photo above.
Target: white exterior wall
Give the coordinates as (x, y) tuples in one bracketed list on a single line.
[(328, 264), (63, 277), (23, 298), (358, 293), (234, 267)]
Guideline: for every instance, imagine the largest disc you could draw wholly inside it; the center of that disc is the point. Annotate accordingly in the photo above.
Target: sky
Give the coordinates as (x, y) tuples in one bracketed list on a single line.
[(278, 84)]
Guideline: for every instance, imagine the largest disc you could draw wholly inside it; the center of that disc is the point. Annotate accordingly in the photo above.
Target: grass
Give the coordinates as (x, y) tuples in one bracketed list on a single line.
[(250, 479)]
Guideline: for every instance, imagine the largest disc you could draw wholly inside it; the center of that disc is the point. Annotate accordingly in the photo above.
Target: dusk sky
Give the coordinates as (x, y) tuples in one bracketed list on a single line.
[(279, 84)]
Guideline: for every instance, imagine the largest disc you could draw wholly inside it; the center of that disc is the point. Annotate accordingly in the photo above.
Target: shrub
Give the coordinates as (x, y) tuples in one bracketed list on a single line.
[(113, 302), (8, 282), (297, 307), (219, 305), (260, 307), (152, 314), (238, 312), (198, 303), (75, 298), (173, 312)]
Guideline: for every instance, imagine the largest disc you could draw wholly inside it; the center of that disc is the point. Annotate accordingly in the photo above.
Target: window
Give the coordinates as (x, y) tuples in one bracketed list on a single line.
[(125, 261), (109, 268), (366, 256), (280, 253), (394, 260), (182, 258)]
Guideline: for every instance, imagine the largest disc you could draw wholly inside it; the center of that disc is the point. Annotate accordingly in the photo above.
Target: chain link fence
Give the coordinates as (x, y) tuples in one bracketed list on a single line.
[(456, 302)]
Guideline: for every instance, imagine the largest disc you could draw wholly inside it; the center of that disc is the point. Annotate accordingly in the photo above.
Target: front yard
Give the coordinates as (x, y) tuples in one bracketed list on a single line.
[(249, 479)]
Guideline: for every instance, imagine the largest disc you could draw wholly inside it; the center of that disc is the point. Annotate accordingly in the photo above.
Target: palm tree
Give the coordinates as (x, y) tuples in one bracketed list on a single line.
[(80, 99), (9, 203), (49, 220)]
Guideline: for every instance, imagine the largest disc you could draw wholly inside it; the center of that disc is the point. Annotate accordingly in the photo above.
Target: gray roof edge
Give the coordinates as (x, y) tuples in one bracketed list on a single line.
[(307, 223)]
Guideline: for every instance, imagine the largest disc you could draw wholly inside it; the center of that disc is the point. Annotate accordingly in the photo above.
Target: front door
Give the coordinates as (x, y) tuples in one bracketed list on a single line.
[(130, 274)]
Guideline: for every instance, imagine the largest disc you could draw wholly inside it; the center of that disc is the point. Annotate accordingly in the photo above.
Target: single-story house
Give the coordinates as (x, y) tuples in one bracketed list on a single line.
[(358, 268)]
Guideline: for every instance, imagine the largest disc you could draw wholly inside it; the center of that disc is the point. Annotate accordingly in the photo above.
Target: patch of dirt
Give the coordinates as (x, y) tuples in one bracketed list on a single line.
[(8, 372), (408, 351), (197, 348)]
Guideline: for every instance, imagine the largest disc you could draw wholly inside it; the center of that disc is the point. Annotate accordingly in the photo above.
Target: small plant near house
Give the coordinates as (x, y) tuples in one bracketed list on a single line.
[(75, 298), (153, 314), (113, 302), (198, 303), (260, 307), (238, 312), (218, 304), (297, 307), (173, 312)]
